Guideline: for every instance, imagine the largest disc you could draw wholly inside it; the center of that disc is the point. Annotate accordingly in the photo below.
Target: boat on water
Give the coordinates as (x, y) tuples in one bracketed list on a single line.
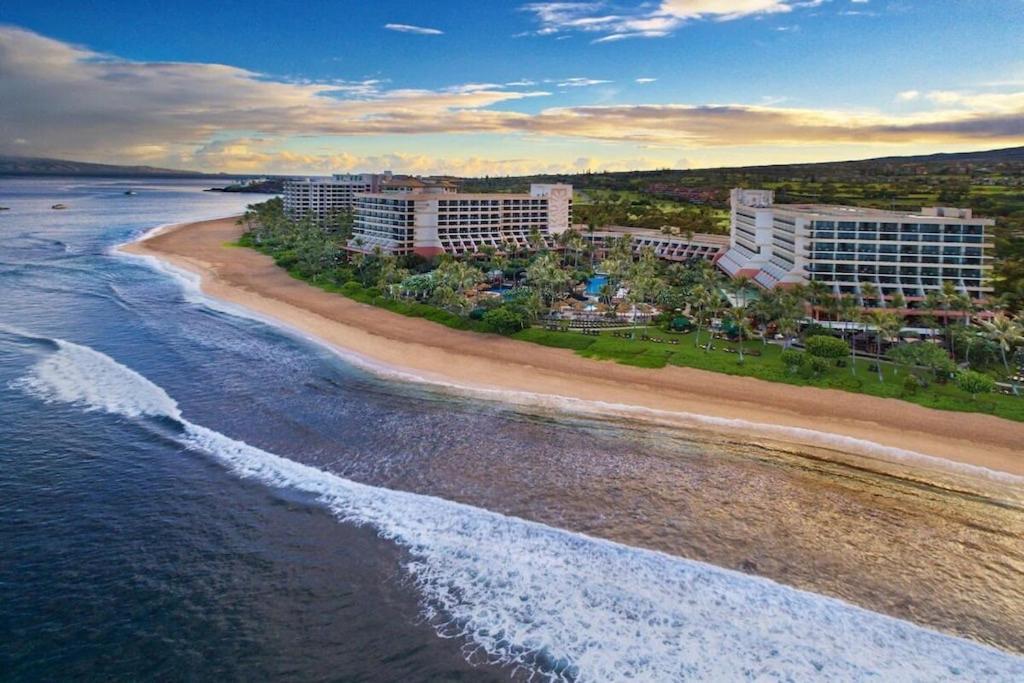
[(5, 208), (130, 192), (59, 206)]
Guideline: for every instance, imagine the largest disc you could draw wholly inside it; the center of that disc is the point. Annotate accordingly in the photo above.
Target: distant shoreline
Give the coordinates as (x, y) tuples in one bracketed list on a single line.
[(519, 371)]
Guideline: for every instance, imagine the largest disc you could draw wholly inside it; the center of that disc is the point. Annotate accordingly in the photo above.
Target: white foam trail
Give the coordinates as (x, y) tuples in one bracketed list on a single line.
[(565, 605), (141, 237), (191, 284), (85, 377)]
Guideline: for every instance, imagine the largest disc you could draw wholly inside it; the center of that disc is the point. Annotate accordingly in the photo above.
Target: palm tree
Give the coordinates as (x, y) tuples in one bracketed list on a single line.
[(788, 326), (738, 315), (943, 299), (948, 297), (868, 291), (547, 276), (739, 286), (713, 306), (574, 241), (817, 293), (764, 311), (1006, 332), (833, 308), (696, 301), (851, 312), (640, 289), (591, 228), (534, 239), (962, 304), (887, 325)]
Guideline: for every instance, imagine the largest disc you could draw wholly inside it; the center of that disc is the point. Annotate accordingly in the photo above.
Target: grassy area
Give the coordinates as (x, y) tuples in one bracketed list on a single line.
[(645, 354), (769, 367), (636, 201)]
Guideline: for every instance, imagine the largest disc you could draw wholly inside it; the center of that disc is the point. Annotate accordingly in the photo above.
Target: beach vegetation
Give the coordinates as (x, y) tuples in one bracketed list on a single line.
[(828, 347), (614, 304), (975, 383), (792, 359)]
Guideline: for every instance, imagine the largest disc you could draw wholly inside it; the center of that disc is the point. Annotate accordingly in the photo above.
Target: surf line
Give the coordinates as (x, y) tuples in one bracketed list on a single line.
[(191, 283), (563, 605)]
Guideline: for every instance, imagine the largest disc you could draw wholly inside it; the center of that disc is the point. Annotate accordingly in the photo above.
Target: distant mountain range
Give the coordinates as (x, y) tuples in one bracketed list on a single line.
[(1012, 157), (1008, 161), (1008, 154), (11, 165)]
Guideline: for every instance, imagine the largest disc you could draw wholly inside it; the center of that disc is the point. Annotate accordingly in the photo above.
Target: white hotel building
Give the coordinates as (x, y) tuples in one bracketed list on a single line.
[(846, 247), (433, 219), (324, 196)]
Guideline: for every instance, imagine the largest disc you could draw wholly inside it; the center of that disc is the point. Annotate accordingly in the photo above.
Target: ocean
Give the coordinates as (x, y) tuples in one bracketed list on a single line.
[(188, 493)]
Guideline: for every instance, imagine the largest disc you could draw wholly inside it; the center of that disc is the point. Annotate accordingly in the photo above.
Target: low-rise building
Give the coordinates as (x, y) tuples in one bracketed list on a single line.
[(846, 247), (678, 248), (433, 219)]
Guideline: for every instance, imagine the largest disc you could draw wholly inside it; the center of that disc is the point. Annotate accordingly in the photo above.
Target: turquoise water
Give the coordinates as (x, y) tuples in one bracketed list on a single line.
[(595, 284)]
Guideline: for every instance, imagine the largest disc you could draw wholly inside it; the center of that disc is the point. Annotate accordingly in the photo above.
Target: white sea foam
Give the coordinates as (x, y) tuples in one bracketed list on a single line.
[(565, 605), (85, 377), (141, 237), (190, 283)]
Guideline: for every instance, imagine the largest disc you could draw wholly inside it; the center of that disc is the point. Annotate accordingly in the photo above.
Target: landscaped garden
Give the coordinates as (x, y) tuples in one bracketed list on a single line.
[(616, 305)]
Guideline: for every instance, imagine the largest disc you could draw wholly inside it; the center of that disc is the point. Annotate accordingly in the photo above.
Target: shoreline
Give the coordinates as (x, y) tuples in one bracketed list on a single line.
[(503, 369)]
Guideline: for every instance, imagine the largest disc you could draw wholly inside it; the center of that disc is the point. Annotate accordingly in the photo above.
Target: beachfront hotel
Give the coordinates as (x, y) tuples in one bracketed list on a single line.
[(321, 197), (432, 218), (847, 247), (675, 248)]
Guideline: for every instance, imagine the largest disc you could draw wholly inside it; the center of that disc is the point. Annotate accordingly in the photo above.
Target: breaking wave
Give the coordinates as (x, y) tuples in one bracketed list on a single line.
[(555, 604)]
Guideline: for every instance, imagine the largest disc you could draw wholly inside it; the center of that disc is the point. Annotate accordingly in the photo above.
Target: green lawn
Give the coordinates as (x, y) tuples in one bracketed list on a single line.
[(768, 367), (646, 354)]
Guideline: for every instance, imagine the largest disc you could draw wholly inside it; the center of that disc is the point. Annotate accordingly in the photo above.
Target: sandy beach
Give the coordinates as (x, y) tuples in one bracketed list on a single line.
[(249, 279)]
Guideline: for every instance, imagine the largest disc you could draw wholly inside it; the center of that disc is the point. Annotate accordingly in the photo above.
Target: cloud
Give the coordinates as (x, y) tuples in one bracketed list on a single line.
[(248, 155), (645, 80), (908, 95), (418, 30), (579, 82), (647, 22), (68, 101), (745, 125), (71, 100)]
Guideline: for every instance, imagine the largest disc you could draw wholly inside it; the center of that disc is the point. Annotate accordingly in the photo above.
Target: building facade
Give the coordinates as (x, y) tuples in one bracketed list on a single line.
[(847, 247), (433, 219), (320, 197)]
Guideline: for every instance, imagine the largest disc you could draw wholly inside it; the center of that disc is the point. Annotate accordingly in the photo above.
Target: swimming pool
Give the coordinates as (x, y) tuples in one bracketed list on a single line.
[(595, 284)]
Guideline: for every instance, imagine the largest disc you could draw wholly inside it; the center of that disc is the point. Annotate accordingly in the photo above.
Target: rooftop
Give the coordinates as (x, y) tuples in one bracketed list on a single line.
[(927, 214)]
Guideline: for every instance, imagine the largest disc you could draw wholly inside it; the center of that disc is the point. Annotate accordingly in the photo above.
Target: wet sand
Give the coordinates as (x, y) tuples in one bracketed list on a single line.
[(249, 279)]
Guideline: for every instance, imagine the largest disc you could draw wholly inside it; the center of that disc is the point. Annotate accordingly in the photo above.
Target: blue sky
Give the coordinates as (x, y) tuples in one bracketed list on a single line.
[(506, 87)]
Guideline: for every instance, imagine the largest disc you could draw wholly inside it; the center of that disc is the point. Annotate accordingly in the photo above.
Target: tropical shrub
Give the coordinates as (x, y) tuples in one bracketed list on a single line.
[(924, 355), (792, 359), (815, 365), (975, 383), (504, 320), (822, 346)]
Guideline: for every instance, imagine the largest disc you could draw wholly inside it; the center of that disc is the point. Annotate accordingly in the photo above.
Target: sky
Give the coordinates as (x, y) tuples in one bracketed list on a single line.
[(491, 87)]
